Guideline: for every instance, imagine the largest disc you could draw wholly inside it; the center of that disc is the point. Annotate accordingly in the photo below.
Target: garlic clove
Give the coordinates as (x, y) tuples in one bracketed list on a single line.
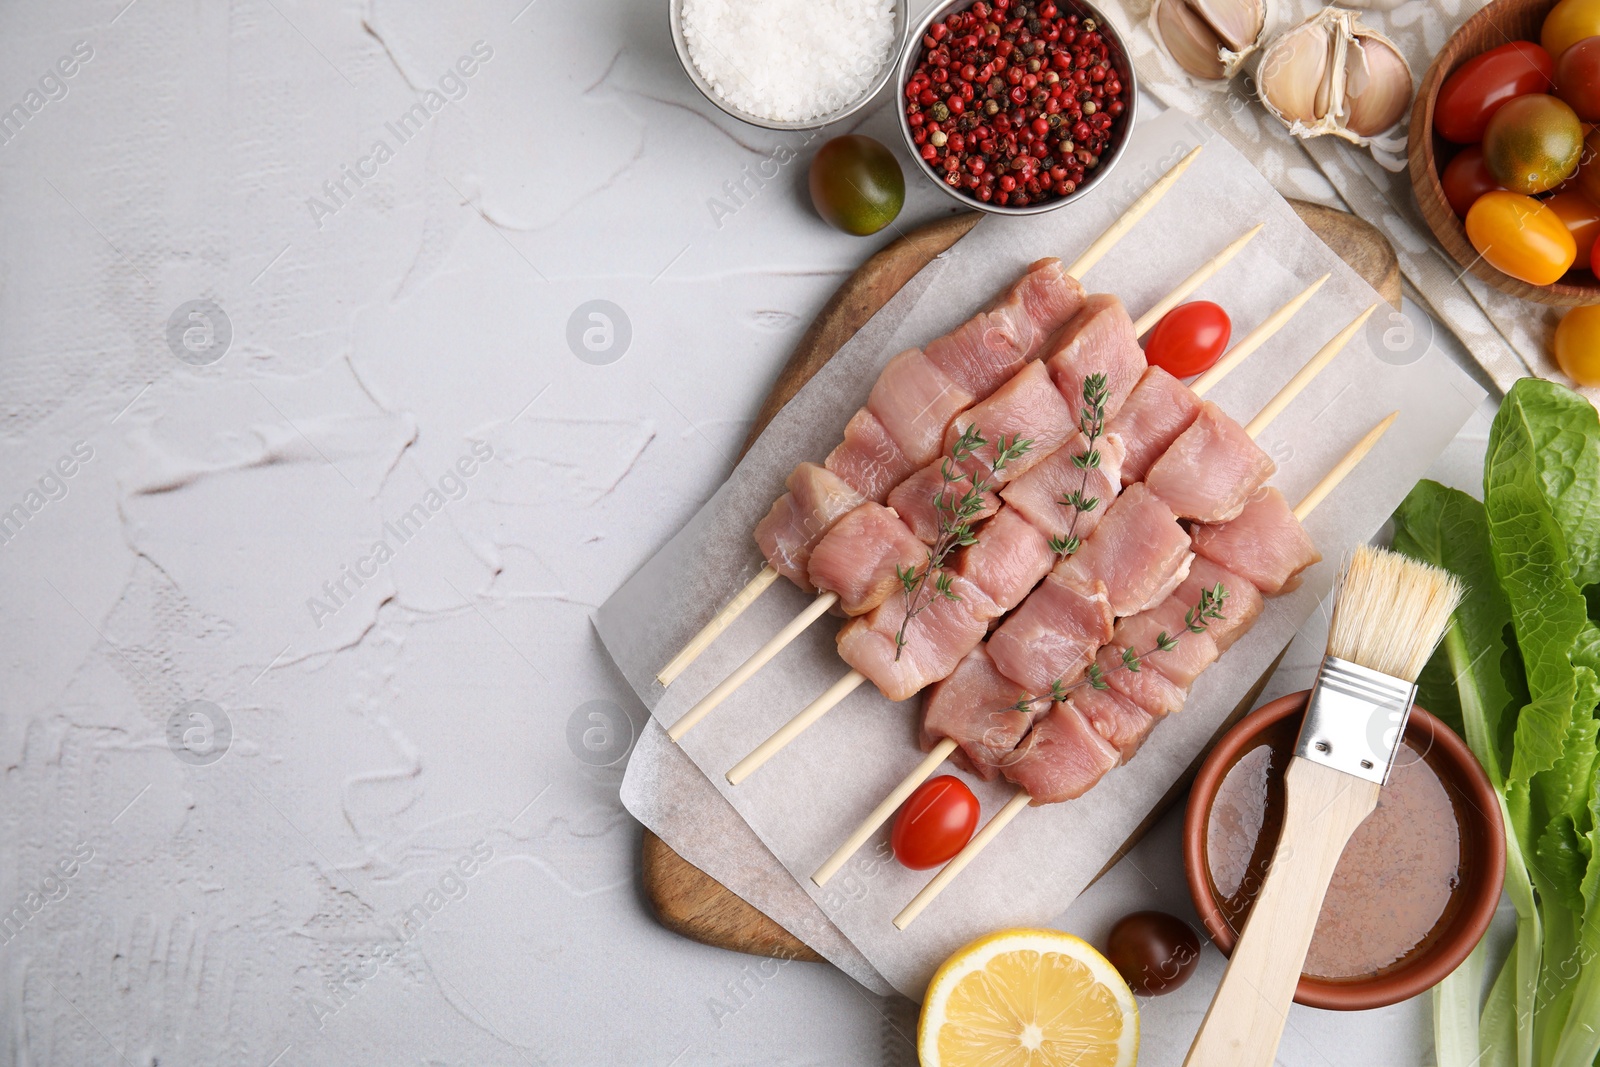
[(1210, 38), (1333, 74), (1294, 75), (1188, 40), (1377, 86), (1237, 23)]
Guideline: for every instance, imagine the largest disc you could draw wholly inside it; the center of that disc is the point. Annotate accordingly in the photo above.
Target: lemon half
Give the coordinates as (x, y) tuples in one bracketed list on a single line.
[(1028, 998)]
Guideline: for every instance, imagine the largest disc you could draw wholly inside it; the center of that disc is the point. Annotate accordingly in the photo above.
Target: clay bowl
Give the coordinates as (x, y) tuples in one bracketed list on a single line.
[(1497, 23), (1471, 903)]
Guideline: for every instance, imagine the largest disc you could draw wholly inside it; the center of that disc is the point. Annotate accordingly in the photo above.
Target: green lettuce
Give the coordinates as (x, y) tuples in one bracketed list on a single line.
[(1518, 673)]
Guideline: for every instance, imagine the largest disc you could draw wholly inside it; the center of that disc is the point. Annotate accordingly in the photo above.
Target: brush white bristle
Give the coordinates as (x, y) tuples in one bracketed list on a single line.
[(1390, 612)]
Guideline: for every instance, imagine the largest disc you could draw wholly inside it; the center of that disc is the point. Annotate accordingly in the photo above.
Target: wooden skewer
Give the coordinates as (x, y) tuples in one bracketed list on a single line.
[(1303, 377), (814, 711), (981, 840), (795, 726), (749, 667), (1092, 255), (1254, 339), (719, 622), (1130, 218), (880, 814), (948, 872), (1194, 281), (1343, 467), (825, 601)]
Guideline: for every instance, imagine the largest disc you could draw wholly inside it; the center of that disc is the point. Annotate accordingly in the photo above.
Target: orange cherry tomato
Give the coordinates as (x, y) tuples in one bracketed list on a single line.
[(1568, 23), (1478, 88), (1578, 78), (1533, 143), (934, 823), (1582, 219), (1578, 345), (1466, 178), (1189, 339), (1521, 237)]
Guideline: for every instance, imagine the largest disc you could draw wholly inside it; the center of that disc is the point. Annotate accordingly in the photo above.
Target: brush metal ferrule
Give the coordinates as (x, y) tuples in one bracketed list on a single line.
[(1355, 719)]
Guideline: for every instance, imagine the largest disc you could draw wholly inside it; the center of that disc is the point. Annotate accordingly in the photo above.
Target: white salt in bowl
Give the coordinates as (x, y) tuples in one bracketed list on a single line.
[(846, 108)]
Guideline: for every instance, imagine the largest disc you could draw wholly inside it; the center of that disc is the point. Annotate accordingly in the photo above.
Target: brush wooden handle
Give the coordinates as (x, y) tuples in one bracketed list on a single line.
[(1245, 1022)]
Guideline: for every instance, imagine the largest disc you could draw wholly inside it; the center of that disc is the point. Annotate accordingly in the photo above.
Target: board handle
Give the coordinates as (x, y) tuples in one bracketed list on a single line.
[(1245, 1022)]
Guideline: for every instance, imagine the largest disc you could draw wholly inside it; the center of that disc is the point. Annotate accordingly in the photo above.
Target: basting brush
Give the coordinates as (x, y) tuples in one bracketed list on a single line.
[(1388, 616)]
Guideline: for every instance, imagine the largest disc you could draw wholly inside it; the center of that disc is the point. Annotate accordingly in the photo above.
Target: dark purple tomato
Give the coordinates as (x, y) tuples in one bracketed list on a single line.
[(856, 184), (1466, 177), (1153, 951), (1578, 78)]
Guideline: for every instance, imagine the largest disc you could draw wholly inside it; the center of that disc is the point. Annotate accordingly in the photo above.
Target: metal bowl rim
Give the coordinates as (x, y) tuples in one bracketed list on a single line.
[(681, 45), (911, 47)]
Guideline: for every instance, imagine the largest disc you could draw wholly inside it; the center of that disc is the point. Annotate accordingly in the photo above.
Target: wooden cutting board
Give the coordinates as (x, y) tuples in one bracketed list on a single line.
[(691, 902)]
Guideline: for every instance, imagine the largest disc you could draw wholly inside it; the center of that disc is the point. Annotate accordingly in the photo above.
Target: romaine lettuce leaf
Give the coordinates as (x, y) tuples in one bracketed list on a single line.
[(1450, 529), (1547, 438)]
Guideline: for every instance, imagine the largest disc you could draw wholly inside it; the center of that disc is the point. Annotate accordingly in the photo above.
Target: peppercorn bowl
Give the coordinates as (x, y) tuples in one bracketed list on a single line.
[(1049, 123), (844, 108)]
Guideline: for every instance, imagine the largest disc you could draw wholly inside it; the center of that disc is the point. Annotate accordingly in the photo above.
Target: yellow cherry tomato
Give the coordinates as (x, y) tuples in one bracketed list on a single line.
[(1521, 237), (1578, 345), (1568, 23)]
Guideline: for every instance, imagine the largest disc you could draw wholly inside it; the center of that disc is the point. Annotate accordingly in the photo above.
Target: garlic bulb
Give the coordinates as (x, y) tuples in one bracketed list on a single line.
[(1209, 38), (1333, 74)]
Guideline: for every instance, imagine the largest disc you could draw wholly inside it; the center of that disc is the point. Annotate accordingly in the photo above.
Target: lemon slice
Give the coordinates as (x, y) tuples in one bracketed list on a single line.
[(1028, 998)]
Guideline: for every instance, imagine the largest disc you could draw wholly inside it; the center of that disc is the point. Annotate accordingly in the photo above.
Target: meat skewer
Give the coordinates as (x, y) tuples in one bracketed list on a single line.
[(1220, 541), (1186, 481), (1025, 404), (1023, 798), (1090, 256)]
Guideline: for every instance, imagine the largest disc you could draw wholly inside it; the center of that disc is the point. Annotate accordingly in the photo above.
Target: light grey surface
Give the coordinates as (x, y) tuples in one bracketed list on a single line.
[(448, 700)]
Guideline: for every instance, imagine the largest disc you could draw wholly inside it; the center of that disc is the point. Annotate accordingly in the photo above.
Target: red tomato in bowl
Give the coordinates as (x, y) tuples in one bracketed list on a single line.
[(934, 823), (1471, 96), (1466, 177), (1189, 339), (1578, 78), (1582, 219)]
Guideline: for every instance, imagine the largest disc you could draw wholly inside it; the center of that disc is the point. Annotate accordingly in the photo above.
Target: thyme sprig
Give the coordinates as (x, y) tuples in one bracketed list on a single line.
[(1092, 423), (957, 514), (1196, 621)]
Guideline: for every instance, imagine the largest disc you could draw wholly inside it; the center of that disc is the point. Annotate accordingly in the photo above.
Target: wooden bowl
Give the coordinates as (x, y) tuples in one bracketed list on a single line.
[(1498, 22)]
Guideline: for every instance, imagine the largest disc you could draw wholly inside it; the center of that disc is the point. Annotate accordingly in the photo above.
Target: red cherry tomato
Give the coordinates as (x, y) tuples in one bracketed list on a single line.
[(1465, 178), (1578, 78), (1189, 339), (934, 823), (1582, 218), (1471, 95)]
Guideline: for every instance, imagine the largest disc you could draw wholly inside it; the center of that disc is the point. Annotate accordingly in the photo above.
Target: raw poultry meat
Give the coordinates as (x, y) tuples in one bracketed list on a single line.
[(1211, 470), (939, 636), (976, 708), (1158, 410), (868, 458), (1139, 553), (1265, 544), (816, 499), (859, 556), (1038, 493)]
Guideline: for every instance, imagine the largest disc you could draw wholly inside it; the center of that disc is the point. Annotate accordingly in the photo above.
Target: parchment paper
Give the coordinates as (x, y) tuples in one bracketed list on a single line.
[(664, 791), (811, 795)]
